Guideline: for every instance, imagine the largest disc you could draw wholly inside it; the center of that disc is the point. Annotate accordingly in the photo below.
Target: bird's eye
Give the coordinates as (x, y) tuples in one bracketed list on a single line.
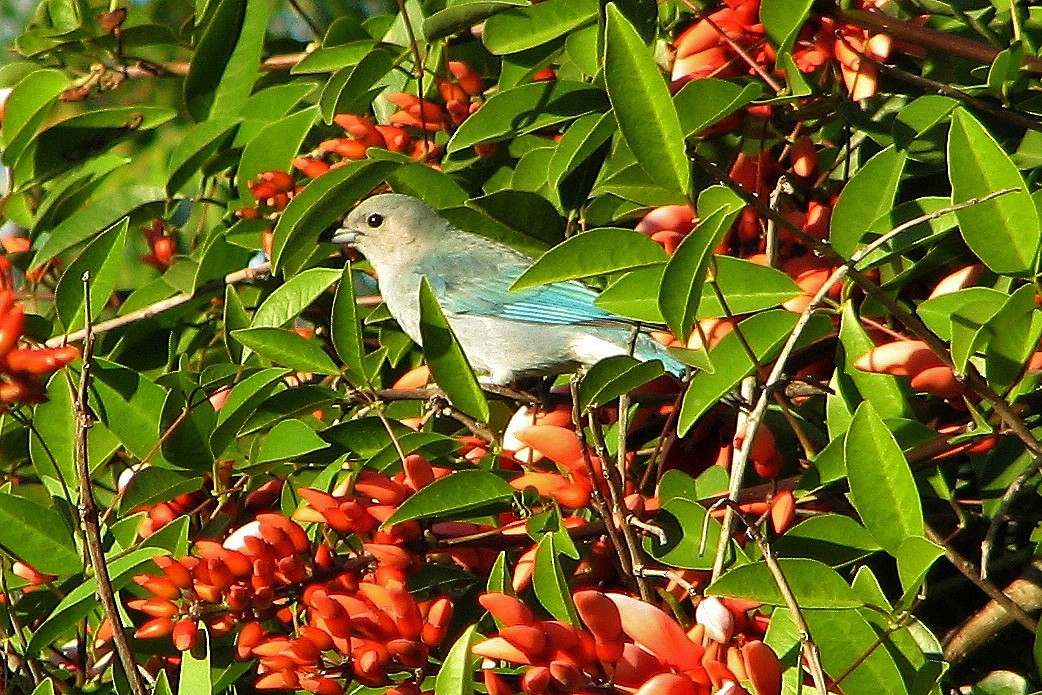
[(374, 220)]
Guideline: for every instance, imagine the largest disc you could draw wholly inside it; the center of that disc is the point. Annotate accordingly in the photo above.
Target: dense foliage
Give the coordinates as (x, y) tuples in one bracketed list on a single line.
[(227, 469)]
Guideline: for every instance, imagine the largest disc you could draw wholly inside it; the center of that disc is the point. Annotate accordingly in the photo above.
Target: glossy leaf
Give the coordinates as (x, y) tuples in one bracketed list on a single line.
[(682, 280), (521, 28), (834, 539), (647, 118), (765, 333), (289, 439), (200, 143), (449, 366), (527, 108), (1004, 232), (683, 520), (881, 484), (194, 676), (702, 103), (814, 584), (102, 260), (550, 583), (153, 485), (460, 16), (296, 295), (38, 536), (288, 348), (226, 59), (26, 109), (455, 495), (345, 329), (614, 376), (596, 252), (273, 147), (456, 675), (102, 213), (866, 196), (81, 600)]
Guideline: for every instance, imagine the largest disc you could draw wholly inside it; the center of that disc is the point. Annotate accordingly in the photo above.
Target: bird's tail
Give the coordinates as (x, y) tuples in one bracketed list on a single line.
[(648, 348)]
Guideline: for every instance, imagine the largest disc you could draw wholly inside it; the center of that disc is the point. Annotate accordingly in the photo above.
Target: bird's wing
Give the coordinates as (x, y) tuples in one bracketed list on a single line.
[(475, 284)]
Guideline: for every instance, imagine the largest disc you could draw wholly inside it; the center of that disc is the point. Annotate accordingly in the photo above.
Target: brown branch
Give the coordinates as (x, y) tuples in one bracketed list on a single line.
[(165, 305), (89, 508), (944, 43)]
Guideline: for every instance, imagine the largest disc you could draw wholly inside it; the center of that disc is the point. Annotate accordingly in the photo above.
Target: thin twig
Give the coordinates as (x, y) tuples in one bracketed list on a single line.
[(971, 379), (12, 614), (152, 310), (967, 569), (1011, 493), (755, 416), (810, 648), (89, 508)]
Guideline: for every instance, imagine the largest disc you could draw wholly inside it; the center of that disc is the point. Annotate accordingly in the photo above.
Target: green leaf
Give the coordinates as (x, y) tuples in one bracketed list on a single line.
[(834, 539), (196, 146), (685, 273), (289, 439), (317, 207), (52, 440), (456, 674), (882, 390), (844, 638), (461, 16), (290, 299), (868, 195), (596, 252), (273, 147), (103, 259), (37, 535), (683, 521), (521, 28), (455, 494), (1004, 232), (102, 213), (345, 330), (881, 485), (76, 604), (194, 676), (44, 688), (525, 109), (765, 333), (782, 19), (226, 59), (82, 138), (647, 117), (347, 91), (747, 287), (152, 485), (915, 557), (1012, 334), (550, 584), (288, 348), (449, 366), (815, 585), (243, 400), (333, 58), (27, 107), (614, 376), (635, 295), (131, 407), (702, 103)]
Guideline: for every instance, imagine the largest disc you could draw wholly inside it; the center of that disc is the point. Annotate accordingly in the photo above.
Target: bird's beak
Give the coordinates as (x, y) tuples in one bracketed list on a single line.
[(344, 235)]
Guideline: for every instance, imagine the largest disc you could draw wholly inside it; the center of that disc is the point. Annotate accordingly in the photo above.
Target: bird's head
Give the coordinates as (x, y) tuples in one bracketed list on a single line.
[(387, 223)]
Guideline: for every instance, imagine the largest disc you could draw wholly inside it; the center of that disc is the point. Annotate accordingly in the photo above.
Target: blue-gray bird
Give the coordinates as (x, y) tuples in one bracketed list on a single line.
[(552, 329)]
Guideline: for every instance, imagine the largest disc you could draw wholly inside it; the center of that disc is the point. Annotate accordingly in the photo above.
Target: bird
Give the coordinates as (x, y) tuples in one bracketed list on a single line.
[(548, 330)]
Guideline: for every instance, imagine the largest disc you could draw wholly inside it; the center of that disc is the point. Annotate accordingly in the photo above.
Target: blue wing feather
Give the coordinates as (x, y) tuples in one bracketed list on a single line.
[(479, 287)]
